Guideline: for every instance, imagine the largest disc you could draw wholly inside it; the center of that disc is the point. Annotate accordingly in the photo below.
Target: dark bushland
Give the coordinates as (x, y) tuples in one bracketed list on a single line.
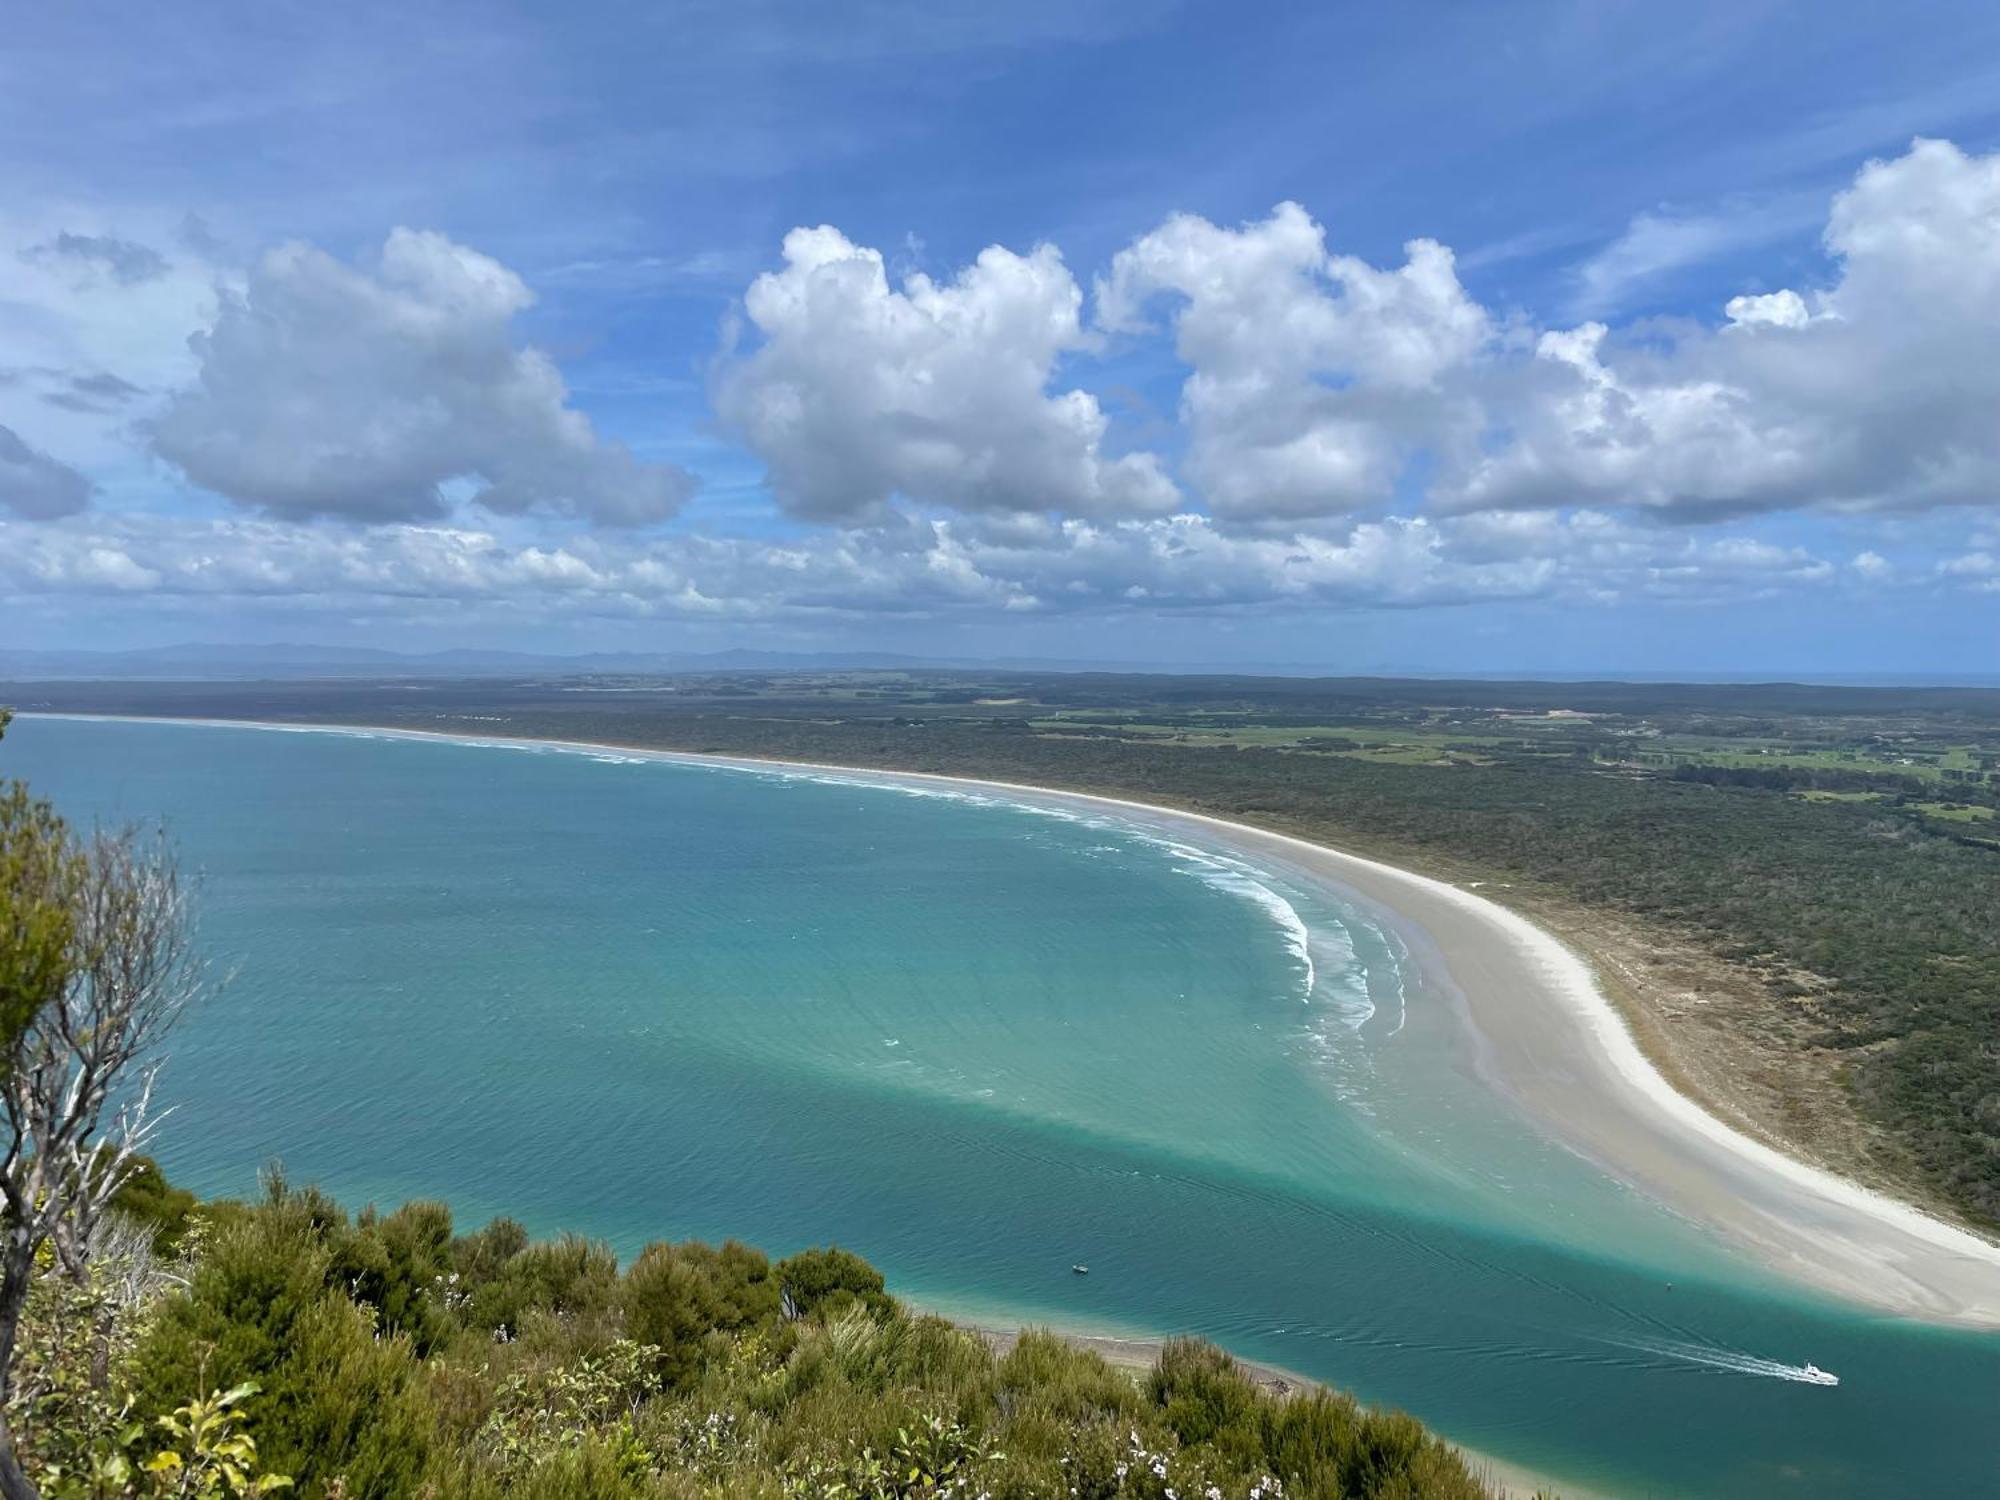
[(381, 1355)]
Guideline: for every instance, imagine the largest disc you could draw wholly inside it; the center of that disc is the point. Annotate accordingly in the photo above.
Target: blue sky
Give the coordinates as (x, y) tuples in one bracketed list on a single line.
[(981, 330)]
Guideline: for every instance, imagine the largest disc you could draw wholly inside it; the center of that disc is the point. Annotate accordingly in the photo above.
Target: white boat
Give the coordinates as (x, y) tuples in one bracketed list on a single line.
[(1818, 1376)]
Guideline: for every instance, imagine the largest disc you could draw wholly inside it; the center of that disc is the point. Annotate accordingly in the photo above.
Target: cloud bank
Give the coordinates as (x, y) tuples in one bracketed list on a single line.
[(1348, 435), (915, 568)]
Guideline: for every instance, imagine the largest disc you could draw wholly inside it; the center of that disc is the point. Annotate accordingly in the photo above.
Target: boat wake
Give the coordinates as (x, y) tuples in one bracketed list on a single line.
[(1733, 1362)]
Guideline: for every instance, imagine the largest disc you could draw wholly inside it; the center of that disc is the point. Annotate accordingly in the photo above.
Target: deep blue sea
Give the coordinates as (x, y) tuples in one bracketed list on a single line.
[(977, 1043)]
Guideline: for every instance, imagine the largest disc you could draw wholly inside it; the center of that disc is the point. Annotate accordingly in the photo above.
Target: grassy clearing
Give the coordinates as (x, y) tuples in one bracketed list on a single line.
[(1956, 812)]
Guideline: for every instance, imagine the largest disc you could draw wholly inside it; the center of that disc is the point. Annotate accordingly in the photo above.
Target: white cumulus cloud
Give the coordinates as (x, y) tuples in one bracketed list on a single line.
[(858, 391), (1880, 392), (1321, 386), (1314, 376), (1786, 309), (359, 392)]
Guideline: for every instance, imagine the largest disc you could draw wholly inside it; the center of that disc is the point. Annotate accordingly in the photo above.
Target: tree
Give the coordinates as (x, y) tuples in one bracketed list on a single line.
[(96, 962), (828, 1279), (680, 1298)]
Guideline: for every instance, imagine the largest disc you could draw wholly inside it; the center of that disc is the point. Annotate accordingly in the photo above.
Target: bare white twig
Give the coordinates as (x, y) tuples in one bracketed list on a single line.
[(77, 1092)]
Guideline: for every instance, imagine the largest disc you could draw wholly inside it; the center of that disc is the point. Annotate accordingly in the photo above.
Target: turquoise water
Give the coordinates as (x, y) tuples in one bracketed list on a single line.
[(977, 1043)]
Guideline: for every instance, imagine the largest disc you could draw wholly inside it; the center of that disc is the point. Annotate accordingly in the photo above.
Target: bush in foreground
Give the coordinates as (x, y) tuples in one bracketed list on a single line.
[(386, 1355)]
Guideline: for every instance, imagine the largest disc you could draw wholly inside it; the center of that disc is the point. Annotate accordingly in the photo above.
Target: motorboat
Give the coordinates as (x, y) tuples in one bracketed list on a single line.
[(1817, 1376)]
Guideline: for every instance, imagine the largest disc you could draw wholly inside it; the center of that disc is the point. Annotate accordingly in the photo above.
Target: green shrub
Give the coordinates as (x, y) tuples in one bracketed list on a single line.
[(261, 1272), (398, 1266), (1314, 1440), (480, 1257), (566, 1276), (265, 1308), (690, 1300), (384, 1358), (1205, 1398), (822, 1280)]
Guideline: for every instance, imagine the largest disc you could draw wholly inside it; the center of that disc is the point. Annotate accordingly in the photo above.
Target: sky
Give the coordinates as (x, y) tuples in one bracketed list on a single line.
[(1483, 337)]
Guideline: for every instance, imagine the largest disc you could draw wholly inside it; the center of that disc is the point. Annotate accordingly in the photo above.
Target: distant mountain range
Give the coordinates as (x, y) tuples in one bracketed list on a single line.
[(201, 661), (217, 662)]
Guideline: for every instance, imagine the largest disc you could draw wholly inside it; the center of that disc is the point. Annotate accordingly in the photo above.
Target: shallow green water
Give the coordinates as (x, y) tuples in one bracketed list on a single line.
[(977, 1043)]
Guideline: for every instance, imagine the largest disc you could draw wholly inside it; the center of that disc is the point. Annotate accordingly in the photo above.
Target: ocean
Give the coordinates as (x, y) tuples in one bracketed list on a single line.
[(977, 1042)]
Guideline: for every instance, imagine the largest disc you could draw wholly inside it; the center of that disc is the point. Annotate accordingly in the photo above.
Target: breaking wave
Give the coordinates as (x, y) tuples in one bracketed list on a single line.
[(1220, 872)]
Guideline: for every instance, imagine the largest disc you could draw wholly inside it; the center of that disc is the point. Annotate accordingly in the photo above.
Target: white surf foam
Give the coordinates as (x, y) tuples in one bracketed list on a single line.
[(1238, 879), (1218, 871)]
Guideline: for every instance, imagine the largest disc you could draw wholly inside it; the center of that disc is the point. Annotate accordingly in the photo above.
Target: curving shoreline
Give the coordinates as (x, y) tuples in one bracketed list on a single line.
[(1546, 1036)]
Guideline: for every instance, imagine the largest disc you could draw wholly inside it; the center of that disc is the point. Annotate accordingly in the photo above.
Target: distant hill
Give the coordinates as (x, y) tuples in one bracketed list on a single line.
[(202, 661), (198, 661)]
